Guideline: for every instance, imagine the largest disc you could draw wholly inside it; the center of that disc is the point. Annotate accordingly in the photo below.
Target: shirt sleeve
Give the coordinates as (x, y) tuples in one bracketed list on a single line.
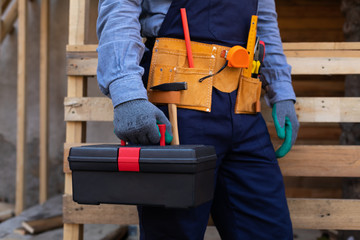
[(275, 68), (120, 50)]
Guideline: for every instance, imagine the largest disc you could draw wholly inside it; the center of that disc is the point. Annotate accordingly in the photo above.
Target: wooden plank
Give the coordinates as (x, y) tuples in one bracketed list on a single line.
[(43, 134), (322, 161), (321, 109), (21, 108), (311, 3), (20, 231), (308, 35), (319, 86), (305, 213), (80, 63), (4, 4), (298, 192), (42, 225), (53, 207), (295, 23), (313, 187), (77, 19), (316, 109), (316, 46), (304, 160), (81, 48), (8, 21), (98, 214), (323, 53), (320, 11), (323, 65), (6, 214), (76, 88), (302, 62), (337, 214), (87, 66), (313, 132), (88, 109)]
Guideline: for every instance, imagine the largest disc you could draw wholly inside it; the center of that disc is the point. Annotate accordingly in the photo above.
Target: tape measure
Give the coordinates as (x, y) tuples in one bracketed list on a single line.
[(237, 57)]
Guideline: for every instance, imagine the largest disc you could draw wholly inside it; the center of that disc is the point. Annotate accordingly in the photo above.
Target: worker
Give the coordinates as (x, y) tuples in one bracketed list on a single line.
[(249, 200)]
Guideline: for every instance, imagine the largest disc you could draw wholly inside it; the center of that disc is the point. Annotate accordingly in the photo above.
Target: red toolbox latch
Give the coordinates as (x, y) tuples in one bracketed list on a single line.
[(128, 159)]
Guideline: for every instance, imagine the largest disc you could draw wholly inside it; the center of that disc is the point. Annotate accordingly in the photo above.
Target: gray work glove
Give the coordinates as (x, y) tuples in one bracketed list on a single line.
[(135, 122), (286, 125)]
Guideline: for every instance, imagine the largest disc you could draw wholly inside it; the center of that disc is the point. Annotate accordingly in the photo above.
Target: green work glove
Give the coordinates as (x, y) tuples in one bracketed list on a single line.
[(135, 122), (286, 125)]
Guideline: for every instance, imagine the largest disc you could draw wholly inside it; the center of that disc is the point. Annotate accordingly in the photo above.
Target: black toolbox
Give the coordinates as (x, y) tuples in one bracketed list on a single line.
[(179, 176)]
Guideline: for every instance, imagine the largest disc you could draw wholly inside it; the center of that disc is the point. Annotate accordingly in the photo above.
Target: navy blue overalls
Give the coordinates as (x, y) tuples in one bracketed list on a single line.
[(249, 201)]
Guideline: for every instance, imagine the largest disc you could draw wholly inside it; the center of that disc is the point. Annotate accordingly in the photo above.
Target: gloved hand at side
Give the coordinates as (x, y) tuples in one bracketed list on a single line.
[(135, 122), (286, 125)]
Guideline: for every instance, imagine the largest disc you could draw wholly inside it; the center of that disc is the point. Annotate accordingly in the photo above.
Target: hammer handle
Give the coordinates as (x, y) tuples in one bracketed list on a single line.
[(174, 123)]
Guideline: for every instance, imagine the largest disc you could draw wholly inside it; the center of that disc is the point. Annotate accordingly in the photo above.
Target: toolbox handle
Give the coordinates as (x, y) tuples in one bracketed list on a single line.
[(162, 130)]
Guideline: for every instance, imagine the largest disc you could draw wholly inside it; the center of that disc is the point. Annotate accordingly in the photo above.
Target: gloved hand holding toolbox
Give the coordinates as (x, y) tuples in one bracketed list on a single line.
[(179, 176)]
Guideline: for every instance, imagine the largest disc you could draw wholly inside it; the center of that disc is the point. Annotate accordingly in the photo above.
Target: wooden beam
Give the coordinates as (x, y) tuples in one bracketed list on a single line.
[(302, 160), (42, 225), (81, 48), (6, 214), (317, 109), (82, 63), (305, 58), (9, 19), (88, 109), (317, 46), (75, 131), (323, 65), (310, 23), (21, 109), (323, 109), (98, 214), (322, 161), (293, 46), (337, 214), (20, 231), (305, 213), (43, 165), (342, 53), (4, 4)]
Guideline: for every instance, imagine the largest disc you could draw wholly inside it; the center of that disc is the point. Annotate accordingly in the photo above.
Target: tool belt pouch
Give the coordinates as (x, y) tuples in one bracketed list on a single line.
[(169, 64), (248, 96)]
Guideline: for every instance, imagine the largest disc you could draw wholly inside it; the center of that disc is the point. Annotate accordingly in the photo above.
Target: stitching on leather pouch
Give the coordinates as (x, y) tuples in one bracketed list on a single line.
[(178, 40), (152, 68)]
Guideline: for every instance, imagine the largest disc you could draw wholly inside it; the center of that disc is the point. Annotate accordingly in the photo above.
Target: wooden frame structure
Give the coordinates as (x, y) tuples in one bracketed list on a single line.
[(303, 160), (21, 108), (17, 9), (44, 126)]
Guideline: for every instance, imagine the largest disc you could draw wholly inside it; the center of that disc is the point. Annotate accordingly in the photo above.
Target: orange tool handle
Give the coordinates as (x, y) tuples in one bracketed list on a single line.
[(187, 37)]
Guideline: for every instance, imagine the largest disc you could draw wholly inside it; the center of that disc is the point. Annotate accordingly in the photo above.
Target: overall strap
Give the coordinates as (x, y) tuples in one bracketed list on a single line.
[(223, 22)]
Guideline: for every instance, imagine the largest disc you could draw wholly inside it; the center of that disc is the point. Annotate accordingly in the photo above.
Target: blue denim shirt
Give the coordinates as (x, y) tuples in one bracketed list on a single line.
[(122, 23)]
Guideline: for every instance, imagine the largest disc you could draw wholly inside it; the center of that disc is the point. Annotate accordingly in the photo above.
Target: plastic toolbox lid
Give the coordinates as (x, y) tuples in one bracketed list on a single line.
[(181, 158)]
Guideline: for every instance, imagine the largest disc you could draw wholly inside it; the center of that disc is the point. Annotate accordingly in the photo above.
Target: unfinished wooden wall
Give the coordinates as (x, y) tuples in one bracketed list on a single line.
[(313, 21)]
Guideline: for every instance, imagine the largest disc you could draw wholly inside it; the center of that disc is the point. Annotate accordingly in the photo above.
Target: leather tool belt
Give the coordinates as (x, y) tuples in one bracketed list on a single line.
[(169, 64)]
